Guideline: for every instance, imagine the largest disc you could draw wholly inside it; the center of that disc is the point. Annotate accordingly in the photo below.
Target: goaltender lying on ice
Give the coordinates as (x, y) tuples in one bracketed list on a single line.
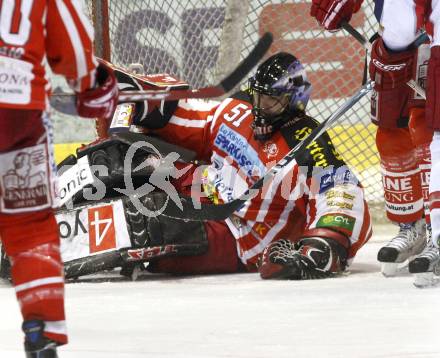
[(306, 222)]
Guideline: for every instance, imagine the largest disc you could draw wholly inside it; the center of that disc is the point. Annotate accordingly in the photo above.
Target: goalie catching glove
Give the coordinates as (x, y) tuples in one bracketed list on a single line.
[(311, 258)]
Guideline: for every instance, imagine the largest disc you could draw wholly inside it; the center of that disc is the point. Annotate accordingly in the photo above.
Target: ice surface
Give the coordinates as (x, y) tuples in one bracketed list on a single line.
[(359, 315)]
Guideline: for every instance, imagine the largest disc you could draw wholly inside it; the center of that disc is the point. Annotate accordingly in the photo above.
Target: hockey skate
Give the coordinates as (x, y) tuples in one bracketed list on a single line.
[(36, 345), (426, 266), (409, 242), (5, 265)]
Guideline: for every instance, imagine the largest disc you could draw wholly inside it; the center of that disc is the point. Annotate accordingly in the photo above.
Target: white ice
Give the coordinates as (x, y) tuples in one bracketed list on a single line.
[(359, 315)]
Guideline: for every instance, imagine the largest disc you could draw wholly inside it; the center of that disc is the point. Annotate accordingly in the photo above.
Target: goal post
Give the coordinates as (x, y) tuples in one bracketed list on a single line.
[(99, 12)]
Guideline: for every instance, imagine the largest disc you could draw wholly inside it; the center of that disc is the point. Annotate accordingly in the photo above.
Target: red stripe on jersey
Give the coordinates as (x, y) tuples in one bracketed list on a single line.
[(191, 114), (279, 210), (38, 277), (434, 200), (56, 35), (364, 235)]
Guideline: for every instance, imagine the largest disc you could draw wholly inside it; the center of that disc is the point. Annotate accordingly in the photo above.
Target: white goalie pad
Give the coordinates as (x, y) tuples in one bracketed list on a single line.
[(73, 180), (92, 230)]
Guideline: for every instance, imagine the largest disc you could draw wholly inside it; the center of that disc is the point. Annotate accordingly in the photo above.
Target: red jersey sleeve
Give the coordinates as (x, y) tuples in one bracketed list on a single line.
[(190, 126), (69, 43)]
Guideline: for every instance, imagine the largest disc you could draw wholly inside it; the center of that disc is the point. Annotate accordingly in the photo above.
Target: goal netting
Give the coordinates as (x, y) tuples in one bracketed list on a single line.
[(200, 41)]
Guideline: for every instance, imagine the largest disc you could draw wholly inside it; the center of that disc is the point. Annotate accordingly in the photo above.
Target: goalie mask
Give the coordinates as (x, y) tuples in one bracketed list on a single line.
[(279, 90)]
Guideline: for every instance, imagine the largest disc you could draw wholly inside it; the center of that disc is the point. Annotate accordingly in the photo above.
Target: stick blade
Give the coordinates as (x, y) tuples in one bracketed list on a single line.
[(65, 103)]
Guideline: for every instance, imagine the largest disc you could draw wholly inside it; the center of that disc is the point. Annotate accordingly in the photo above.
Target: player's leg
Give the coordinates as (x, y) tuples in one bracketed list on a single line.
[(28, 228), (422, 137), (433, 121), (400, 171), (219, 257), (403, 197)]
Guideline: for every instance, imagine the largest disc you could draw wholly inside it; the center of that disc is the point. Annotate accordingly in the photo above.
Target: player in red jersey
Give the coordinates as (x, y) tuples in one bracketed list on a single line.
[(308, 222), (406, 154), (31, 33)]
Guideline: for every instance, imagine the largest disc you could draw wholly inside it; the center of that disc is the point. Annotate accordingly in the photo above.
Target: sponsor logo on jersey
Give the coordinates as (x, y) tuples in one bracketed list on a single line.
[(237, 147), (303, 133), (317, 153), (261, 229), (331, 177), (15, 81), (334, 193), (24, 178), (271, 149), (12, 52), (322, 153), (343, 223), (340, 204)]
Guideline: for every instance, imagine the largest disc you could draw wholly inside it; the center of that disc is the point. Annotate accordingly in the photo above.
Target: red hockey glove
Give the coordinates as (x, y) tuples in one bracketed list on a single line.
[(310, 258), (390, 70), (276, 259), (330, 13), (101, 101), (433, 90)]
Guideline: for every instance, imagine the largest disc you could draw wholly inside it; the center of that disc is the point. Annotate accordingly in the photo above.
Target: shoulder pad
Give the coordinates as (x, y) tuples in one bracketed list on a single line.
[(319, 153), (242, 96)]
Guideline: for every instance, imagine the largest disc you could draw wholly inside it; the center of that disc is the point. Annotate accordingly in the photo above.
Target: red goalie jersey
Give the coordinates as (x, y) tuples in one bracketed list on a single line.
[(36, 31), (317, 190)]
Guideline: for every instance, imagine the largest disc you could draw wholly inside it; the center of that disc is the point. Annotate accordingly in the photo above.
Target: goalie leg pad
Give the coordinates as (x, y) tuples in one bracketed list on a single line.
[(433, 90), (158, 236)]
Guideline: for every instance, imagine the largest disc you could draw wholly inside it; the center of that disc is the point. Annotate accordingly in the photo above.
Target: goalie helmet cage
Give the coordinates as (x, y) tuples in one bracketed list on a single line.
[(200, 41)]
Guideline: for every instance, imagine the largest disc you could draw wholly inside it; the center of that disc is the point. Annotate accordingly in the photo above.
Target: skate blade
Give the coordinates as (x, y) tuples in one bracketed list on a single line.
[(426, 280), (392, 269)]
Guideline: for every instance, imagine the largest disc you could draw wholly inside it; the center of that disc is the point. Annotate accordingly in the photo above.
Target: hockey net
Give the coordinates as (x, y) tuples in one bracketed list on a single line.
[(200, 41)]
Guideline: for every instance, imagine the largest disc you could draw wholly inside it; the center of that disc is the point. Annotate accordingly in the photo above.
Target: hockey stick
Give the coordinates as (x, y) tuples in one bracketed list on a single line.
[(65, 102), (222, 211), (420, 39)]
